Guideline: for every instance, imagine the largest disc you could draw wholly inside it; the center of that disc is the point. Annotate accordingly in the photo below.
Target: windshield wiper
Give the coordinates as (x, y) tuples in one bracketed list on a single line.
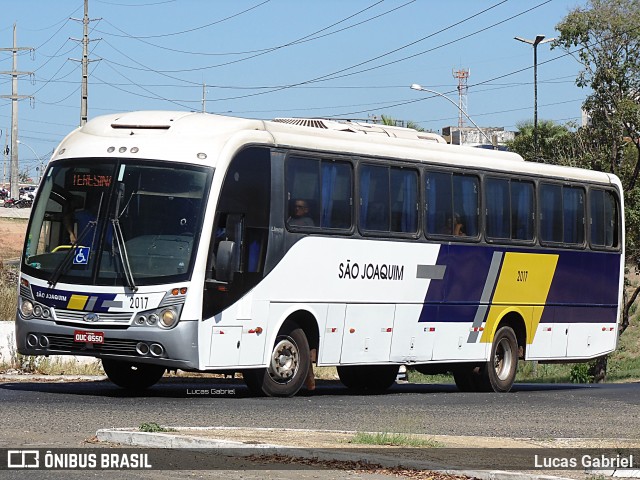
[(122, 253), (120, 242)]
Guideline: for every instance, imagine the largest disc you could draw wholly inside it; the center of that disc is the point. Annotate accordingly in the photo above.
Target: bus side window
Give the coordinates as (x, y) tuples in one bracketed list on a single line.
[(498, 208), (465, 203), (452, 204), (438, 201), (404, 208), (550, 213), (336, 193), (562, 217), (603, 222), (522, 210), (573, 221), (242, 217), (303, 192), (374, 198)]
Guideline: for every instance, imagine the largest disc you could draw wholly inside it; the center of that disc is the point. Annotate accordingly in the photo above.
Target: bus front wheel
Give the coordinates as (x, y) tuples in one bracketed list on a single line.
[(289, 363), (374, 378), (132, 376)]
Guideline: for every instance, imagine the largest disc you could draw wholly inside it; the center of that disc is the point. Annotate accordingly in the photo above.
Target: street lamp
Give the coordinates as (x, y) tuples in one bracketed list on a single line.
[(417, 86), (537, 41), (37, 156)]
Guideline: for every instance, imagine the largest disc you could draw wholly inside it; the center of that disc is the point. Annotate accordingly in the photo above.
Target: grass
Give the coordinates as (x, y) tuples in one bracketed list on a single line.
[(394, 440), (153, 427), (8, 292)]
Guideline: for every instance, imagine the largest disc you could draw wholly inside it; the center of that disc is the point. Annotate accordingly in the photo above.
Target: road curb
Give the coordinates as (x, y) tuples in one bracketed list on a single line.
[(168, 440)]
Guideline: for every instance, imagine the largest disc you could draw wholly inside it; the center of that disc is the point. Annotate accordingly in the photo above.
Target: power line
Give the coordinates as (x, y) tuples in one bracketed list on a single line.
[(260, 52), (208, 67), (334, 75), (191, 30), (137, 4), (307, 38)]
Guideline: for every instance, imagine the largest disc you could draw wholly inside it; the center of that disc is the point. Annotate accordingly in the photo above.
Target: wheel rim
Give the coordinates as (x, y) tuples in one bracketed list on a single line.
[(503, 359), (285, 359)]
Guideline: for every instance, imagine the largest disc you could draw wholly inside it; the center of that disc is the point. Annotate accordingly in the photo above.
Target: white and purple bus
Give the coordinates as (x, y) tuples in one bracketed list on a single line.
[(171, 240)]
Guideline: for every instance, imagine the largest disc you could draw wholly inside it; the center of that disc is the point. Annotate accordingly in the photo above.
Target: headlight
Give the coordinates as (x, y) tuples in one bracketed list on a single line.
[(26, 308), (168, 318)]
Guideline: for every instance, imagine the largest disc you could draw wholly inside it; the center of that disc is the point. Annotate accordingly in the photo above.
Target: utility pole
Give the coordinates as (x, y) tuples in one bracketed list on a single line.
[(5, 155), (204, 97), (15, 168), (85, 61)]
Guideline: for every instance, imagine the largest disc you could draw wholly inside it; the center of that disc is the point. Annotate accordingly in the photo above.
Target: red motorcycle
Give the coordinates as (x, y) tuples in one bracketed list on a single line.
[(10, 203)]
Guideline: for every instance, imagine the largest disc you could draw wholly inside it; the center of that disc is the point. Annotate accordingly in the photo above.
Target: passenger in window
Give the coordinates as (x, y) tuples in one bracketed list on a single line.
[(300, 215), (453, 226), (458, 226), (78, 214)]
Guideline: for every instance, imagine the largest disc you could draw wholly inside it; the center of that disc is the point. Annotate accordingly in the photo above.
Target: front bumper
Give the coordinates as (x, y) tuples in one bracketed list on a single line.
[(178, 347)]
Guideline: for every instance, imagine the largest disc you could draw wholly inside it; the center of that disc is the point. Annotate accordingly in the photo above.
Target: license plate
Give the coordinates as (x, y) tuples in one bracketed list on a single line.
[(83, 336)]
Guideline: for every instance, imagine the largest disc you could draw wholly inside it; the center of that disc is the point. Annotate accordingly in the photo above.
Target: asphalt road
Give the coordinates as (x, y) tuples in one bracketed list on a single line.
[(67, 415), (56, 414)]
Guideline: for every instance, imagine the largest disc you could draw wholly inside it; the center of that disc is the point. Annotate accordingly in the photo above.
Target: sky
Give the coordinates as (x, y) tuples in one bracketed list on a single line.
[(349, 59)]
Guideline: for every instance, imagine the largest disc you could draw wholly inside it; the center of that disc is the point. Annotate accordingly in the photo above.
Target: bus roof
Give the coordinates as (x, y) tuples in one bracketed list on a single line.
[(158, 134)]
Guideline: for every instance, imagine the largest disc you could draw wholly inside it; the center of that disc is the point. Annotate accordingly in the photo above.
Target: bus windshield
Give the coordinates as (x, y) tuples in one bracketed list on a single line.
[(116, 222)]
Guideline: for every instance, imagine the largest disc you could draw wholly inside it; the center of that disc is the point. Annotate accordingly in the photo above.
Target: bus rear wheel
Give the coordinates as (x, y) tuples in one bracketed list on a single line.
[(372, 378), (289, 363), (132, 376), (467, 378), (499, 373)]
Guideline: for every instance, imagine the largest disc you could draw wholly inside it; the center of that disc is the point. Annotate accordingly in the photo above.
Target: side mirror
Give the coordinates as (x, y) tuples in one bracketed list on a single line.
[(226, 261)]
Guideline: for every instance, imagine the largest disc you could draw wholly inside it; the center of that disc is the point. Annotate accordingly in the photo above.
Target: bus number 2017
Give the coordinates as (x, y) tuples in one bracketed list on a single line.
[(522, 275), (138, 303)]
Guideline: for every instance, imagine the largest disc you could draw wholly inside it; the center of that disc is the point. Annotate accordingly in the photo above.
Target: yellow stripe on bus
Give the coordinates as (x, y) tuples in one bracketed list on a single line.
[(524, 283), (77, 302)]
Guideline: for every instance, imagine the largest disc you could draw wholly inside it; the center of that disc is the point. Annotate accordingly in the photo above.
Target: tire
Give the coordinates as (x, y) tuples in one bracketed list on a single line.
[(467, 378), (368, 378), (499, 373), (289, 363), (132, 376)]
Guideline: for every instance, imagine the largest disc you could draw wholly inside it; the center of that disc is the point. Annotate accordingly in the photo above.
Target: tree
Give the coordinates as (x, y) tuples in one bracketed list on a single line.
[(552, 141), (385, 120), (607, 34), (24, 177), (604, 37)]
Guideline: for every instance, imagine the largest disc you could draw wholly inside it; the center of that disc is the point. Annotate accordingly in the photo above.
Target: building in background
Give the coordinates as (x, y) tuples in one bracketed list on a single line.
[(472, 137)]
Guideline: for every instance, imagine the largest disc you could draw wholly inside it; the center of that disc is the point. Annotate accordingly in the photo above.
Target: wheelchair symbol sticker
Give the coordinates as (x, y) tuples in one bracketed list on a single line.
[(81, 257)]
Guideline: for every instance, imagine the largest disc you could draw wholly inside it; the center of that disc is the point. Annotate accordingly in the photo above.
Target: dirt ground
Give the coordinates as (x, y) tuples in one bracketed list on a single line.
[(12, 232), (328, 439)]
